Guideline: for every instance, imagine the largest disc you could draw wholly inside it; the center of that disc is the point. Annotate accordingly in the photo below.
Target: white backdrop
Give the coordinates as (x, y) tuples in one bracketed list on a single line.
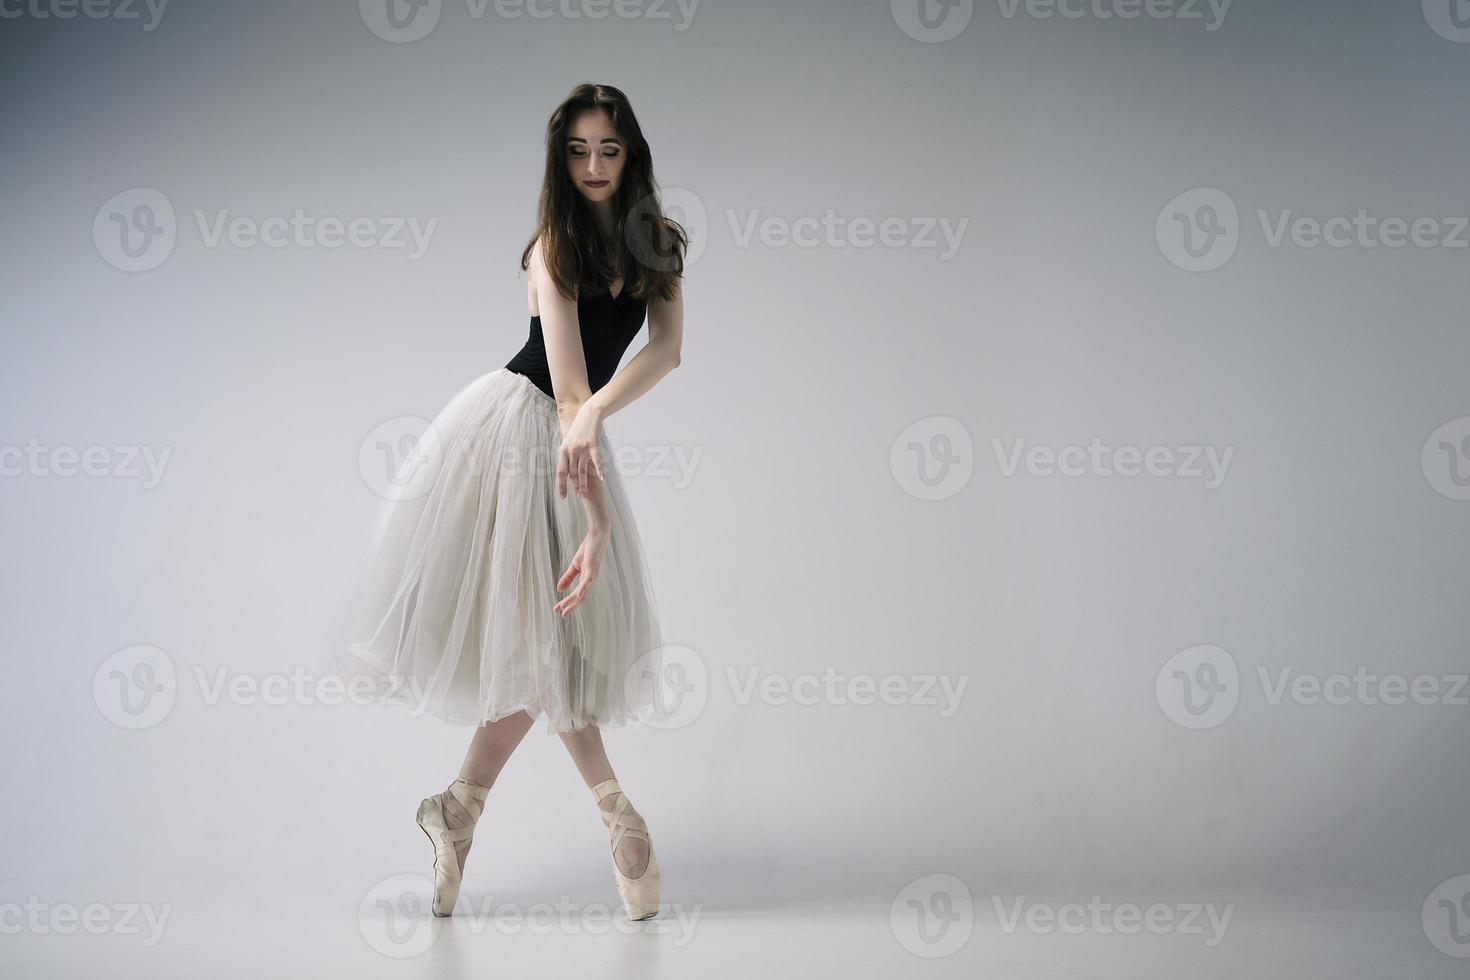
[(1064, 479)]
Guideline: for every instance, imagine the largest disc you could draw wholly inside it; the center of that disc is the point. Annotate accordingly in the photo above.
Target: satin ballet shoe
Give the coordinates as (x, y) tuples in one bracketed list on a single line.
[(640, 894), (434, 822)]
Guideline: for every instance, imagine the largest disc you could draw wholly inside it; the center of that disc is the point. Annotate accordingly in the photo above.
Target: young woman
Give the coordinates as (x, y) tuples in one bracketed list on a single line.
[(464, 601)]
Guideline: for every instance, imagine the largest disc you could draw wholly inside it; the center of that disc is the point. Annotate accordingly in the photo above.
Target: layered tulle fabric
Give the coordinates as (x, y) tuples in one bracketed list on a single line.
[(454, 614)]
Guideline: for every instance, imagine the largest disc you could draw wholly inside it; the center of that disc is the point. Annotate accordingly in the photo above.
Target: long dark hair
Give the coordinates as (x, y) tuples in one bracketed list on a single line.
[(645, 247)]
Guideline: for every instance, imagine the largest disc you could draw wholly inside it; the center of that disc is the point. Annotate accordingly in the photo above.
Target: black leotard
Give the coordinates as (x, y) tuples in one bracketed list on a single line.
[(608, 324)]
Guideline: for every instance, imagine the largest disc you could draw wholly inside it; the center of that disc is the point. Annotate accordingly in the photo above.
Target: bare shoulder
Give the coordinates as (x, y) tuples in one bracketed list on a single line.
[(536, 274)]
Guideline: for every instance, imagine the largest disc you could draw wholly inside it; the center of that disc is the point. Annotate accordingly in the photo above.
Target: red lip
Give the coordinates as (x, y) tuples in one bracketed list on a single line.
[(596, 183)]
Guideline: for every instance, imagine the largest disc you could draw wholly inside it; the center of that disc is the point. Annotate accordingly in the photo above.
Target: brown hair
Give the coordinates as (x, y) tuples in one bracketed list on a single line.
[(645, 247)]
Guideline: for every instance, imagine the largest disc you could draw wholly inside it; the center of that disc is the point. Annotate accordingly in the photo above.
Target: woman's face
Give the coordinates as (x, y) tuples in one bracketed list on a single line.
[(595, 155)]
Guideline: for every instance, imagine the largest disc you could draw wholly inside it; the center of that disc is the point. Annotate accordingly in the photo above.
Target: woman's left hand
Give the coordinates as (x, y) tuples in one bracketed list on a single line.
[(580, 457)]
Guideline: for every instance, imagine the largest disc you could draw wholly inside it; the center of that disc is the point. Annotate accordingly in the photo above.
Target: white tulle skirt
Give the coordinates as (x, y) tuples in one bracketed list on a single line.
[(454, 611)]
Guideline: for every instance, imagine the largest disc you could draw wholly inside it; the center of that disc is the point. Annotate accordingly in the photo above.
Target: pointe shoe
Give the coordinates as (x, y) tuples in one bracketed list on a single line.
[(435, 824), (640, 894)]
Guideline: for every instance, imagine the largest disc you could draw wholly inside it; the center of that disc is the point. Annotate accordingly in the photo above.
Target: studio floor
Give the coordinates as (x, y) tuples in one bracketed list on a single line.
[(797, 924)]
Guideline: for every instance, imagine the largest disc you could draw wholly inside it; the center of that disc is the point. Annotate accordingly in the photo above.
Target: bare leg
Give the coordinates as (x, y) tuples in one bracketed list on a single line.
[(492, 746), (489, 749), (590, 757)]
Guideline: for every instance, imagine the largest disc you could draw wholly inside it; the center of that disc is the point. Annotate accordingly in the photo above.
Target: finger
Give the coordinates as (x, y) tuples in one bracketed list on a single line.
[(567, 605), (582, 476), (567, 576), (561, 473), (597, 463)]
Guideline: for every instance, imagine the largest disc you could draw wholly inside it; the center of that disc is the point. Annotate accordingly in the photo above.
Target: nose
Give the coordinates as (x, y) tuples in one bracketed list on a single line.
[(594, 166)]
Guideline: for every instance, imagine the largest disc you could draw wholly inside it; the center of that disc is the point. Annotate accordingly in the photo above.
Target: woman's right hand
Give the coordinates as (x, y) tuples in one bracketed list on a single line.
[(580, 456), (585, 565)]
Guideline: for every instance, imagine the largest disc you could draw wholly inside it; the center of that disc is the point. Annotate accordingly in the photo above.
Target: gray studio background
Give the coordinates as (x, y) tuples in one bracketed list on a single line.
[(825, 382)]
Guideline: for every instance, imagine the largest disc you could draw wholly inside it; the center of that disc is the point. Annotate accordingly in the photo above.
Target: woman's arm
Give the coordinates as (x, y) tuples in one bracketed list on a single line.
[(562, 336), (657, 358)]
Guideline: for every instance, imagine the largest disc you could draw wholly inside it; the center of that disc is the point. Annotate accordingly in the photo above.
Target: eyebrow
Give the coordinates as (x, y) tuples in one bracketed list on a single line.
[(605, 139)]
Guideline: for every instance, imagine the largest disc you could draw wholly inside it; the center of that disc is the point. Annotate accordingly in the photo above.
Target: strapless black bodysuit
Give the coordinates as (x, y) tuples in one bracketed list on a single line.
[(608, 325)]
